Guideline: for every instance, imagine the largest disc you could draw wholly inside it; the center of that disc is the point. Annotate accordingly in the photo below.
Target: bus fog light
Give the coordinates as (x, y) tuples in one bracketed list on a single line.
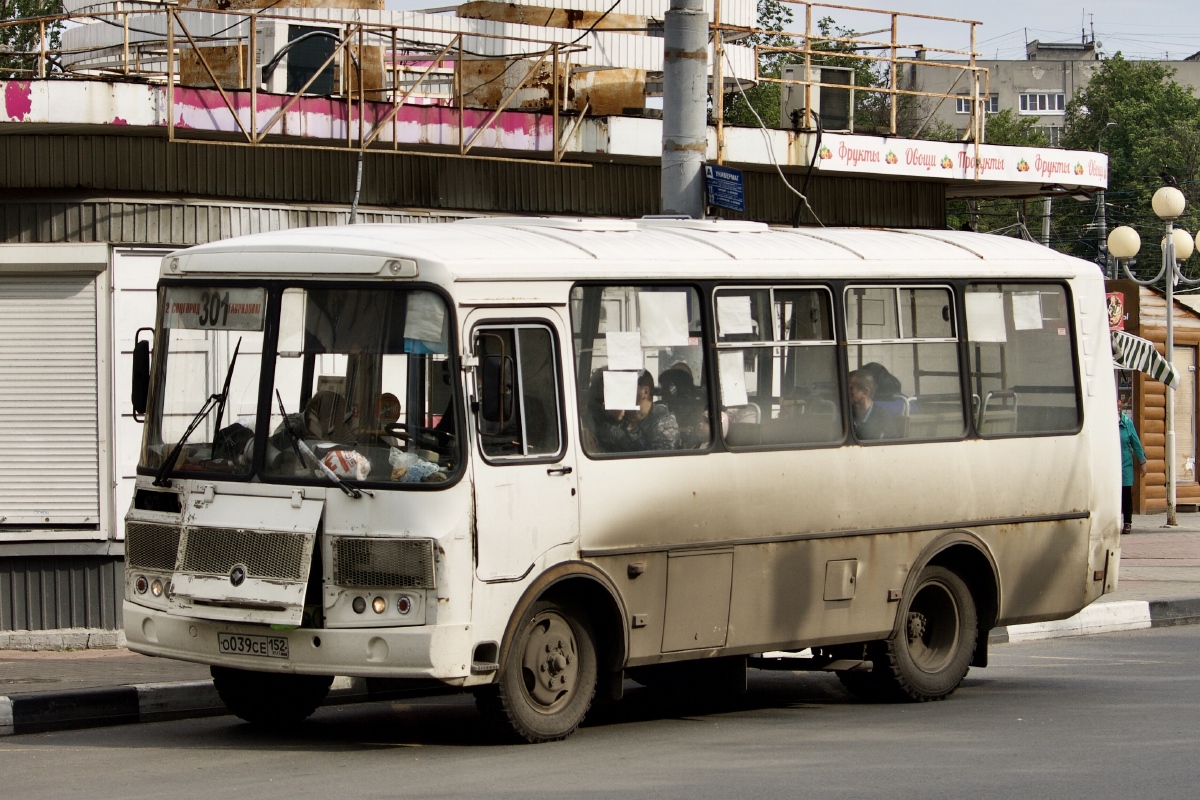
[(141, 584), (359, 605), (156, 588), (403, 604), (379, 605)]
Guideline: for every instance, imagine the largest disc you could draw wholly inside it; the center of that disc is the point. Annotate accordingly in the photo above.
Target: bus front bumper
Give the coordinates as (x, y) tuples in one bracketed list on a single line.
[(440, 652)]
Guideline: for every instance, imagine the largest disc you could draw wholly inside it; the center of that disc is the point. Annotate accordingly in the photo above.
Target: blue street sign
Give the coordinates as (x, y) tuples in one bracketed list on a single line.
[(724, 187)]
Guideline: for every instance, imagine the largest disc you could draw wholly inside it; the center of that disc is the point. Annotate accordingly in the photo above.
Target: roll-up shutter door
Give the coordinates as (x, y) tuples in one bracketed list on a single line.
[(49, 449)]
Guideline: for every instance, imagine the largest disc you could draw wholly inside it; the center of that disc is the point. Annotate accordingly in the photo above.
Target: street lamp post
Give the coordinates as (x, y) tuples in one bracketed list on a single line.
[(1103, 209), (1168, 203)]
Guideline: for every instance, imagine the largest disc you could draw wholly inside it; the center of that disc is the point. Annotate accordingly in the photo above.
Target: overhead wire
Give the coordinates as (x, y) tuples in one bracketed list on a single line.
[(770, 150)]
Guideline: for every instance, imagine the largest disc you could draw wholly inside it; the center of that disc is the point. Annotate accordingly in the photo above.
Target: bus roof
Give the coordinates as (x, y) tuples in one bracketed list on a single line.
[(514, 248)]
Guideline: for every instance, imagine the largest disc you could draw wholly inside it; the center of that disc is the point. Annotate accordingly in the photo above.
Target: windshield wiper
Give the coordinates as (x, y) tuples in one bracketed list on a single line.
[(214, 401), (302, 450)]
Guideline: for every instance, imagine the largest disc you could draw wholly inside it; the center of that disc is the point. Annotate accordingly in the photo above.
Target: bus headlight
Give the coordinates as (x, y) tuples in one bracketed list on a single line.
[(156, 588), (379, 605), (359, 605)]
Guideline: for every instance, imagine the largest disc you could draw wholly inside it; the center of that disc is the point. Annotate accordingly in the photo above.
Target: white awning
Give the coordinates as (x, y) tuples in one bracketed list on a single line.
[(1134, 352)]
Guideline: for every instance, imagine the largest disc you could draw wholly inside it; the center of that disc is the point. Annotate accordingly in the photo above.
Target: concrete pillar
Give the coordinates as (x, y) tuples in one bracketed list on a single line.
[(685, 108)]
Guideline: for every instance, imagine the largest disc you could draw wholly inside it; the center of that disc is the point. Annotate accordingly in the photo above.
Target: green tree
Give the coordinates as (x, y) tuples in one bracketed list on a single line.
[(764, 96), (1005, 127), (19, 43), (1157, 133)]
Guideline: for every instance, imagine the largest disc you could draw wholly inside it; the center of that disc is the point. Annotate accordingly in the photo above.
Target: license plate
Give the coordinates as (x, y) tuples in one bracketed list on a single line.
[(238, 644)]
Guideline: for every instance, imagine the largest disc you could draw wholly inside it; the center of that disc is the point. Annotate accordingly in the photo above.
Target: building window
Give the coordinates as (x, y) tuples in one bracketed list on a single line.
[(1043, 102), (1053, 134), (991, 105)]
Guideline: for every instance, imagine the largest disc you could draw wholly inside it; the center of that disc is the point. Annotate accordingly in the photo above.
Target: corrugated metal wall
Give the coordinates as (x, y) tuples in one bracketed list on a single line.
[(154, 167), (167, 223), (50, 592)]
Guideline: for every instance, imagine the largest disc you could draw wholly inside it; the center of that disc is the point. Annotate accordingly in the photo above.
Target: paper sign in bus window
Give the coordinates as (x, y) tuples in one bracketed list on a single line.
[(620, 391), (1027, 311), (664, 318), (733, 378), (733, 315), (985, 317), (426, 317), (624, 350)]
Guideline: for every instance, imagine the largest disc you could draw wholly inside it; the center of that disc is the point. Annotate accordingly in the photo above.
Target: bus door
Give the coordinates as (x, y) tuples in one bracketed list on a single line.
[(524, 464)]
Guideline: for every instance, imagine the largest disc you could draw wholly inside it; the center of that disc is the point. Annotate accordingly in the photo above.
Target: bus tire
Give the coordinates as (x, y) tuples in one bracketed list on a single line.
[(270, 699), (929, 656), (548, 678)]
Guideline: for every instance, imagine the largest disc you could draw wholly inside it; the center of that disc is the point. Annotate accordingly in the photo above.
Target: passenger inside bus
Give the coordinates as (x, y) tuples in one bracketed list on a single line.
[(871, 420), (651, 427), (687, 402)]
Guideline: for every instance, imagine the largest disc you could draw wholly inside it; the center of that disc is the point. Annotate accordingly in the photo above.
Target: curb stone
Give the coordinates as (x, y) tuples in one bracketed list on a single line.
[(1124, 615), (36, 712), (62, 639)]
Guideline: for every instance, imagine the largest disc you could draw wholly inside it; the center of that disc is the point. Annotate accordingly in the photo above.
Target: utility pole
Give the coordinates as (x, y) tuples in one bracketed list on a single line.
[(1102, 207), (685, 108)]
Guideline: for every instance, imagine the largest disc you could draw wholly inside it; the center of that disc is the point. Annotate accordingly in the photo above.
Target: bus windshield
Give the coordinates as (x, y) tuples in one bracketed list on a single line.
[(362, 385)]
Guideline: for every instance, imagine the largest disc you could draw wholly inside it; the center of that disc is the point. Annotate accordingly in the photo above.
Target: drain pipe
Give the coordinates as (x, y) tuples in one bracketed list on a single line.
[(685, 108), (357, 189)]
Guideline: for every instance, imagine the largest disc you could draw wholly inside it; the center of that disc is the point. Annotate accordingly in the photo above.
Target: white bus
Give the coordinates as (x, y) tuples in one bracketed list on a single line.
[(528, 457)]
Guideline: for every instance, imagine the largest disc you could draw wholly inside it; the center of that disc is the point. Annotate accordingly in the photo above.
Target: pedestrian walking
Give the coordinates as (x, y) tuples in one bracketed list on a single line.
[(1131, 451)]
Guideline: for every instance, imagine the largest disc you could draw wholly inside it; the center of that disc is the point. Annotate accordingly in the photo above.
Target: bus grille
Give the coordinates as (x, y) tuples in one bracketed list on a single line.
[(385, 563), (265, 554), (151, 546)]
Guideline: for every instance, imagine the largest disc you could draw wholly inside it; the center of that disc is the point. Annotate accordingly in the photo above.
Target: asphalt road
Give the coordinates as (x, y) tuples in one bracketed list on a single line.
[(1112, 716)]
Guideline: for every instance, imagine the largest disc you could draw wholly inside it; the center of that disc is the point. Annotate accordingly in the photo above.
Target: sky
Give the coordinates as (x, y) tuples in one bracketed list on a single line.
[(1163, 29)]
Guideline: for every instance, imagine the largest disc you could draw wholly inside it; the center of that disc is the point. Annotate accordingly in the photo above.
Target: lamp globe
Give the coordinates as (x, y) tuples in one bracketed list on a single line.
[(1183, 244), (1168, 202), (1124, 242)]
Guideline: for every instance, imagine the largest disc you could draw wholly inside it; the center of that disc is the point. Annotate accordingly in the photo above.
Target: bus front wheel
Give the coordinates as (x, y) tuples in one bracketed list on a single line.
[(548, 679), (928, 657), (270, 699)]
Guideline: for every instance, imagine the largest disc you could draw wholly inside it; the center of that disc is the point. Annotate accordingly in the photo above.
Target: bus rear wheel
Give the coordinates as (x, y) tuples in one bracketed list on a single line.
[(548, 679), (928, 657), (270, 699)]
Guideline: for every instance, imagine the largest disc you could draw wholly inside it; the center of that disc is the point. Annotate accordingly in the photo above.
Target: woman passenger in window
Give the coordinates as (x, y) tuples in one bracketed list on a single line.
[(871, 421), (688, 405)]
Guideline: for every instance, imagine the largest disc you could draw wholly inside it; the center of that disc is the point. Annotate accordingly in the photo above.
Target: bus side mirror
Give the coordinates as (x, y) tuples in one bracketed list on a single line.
[(496, 392), (141, 375)]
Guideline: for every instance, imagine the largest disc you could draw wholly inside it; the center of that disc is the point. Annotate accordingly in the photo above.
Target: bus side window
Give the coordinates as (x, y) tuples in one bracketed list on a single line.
[(777, 360), (519, 411), (904, 359), (1023, 377), (640, 369)]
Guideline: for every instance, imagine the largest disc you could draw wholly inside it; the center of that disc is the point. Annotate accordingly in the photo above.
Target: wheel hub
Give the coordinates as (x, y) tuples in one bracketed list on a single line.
[(549, 662), (916, 626)]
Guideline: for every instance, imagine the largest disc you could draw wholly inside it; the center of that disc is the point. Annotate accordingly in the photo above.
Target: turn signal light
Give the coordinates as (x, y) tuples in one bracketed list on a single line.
[(403, 604), (379, 605), (141, 584)]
